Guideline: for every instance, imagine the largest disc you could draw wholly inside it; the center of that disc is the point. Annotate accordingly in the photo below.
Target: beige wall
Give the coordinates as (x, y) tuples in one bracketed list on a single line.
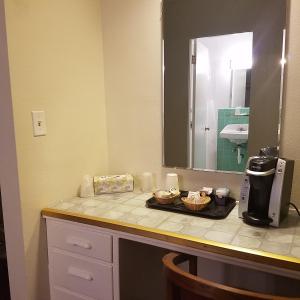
[(132, 62), (132, 52), (290, 140), (55, 56)]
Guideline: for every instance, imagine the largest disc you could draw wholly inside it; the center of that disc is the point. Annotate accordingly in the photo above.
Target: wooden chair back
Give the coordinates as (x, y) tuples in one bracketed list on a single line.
[(182, 285)]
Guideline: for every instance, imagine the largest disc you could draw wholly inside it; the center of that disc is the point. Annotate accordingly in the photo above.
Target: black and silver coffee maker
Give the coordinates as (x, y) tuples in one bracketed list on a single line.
[(266, 189)]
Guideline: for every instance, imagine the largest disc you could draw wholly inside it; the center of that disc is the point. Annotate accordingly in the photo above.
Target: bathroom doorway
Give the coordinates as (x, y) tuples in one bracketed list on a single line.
[(220, 79)]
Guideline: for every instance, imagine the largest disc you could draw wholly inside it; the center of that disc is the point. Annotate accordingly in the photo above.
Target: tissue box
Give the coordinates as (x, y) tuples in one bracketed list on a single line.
[(113, 184)]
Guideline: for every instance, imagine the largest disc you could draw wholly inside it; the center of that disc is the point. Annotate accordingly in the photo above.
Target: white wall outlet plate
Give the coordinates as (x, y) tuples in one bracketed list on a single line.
[(39, 123)]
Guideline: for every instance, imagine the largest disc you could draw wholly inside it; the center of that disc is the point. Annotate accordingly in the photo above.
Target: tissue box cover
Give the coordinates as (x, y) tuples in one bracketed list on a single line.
[(113, 184)]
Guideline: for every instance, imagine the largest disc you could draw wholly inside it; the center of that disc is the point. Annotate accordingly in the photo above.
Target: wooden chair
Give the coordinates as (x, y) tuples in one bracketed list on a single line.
[(183, 285)]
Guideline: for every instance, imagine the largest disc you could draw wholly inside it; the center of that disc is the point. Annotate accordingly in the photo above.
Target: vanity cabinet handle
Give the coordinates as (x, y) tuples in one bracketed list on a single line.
[(80, 273), (79, 243)]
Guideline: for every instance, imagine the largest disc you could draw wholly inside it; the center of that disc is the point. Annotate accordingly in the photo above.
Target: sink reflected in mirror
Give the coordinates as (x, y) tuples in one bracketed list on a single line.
[(235, 133)]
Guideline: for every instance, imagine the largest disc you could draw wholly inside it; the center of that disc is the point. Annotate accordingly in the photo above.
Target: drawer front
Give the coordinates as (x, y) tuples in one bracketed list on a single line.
[(63, 294), (81, 275), (77, 239)]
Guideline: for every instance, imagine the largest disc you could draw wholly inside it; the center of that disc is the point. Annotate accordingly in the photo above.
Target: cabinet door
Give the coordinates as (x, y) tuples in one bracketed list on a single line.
[(81, 275)]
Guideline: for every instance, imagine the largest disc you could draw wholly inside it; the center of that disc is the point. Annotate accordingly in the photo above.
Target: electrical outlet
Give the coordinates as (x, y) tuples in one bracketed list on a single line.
[(39, 123)]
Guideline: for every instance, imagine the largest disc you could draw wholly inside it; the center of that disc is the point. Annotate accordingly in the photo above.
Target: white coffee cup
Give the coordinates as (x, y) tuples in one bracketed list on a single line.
[(87, 187), (147, 182), (172, 181)]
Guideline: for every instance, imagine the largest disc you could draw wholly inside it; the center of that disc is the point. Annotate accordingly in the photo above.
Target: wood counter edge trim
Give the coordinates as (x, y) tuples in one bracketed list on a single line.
[(257, 256)]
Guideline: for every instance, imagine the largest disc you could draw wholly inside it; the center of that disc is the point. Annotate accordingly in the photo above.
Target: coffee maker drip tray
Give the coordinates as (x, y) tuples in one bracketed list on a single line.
[(253, 219)]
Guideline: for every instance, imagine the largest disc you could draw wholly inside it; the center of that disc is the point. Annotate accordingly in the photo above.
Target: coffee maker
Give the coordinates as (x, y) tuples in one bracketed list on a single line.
[(266, 189)]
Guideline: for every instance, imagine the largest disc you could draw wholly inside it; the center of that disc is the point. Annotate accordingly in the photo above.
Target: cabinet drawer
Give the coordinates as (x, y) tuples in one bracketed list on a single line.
[(78, 239), (82, 275), (63, 294)]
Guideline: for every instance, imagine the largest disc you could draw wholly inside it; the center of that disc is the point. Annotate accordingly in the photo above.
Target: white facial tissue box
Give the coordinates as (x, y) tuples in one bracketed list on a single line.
[(113, 184)]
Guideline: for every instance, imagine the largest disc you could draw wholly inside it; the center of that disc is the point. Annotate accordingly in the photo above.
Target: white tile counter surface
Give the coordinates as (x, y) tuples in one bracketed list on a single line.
[(130, 208)]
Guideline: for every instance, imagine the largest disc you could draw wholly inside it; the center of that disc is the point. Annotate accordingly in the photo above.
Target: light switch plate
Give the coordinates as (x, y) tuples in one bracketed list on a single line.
[(39, 123)]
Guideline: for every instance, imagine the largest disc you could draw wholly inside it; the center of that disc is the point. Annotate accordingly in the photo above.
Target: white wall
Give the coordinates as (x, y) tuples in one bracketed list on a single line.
[(226, 53), (239, 79)]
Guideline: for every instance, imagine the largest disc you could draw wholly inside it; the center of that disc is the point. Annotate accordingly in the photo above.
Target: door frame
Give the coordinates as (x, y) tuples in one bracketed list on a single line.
[(10, 191)]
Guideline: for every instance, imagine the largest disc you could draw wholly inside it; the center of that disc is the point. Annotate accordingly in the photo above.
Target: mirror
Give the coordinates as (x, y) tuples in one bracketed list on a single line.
[(223, 79)]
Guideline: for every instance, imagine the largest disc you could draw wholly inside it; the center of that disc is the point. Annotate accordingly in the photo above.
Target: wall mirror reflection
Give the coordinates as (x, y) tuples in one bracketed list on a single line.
[(220, 95), (223, 81)]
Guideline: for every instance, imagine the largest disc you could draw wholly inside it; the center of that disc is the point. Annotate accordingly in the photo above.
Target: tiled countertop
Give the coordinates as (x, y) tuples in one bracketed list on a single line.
[(128, 210)]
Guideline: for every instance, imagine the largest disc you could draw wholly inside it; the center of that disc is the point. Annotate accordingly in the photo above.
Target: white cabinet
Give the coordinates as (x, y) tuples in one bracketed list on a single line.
[(80, 262), (78, 239), (58, 293)]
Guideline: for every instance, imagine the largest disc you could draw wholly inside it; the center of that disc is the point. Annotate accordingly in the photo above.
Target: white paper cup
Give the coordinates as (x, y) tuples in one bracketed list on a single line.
[(87, 187), (147, 182), (172, 181)]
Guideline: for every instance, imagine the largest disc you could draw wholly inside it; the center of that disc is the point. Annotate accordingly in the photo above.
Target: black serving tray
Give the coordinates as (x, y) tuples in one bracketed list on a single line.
[(211, 211)]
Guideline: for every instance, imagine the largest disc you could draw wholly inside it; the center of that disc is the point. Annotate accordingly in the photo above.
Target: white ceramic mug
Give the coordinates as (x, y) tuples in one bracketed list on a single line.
[(172, 181), (147, 182)]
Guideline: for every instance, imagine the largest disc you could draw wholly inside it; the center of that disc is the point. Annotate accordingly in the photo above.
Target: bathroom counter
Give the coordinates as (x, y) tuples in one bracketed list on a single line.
[(126, 212)]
